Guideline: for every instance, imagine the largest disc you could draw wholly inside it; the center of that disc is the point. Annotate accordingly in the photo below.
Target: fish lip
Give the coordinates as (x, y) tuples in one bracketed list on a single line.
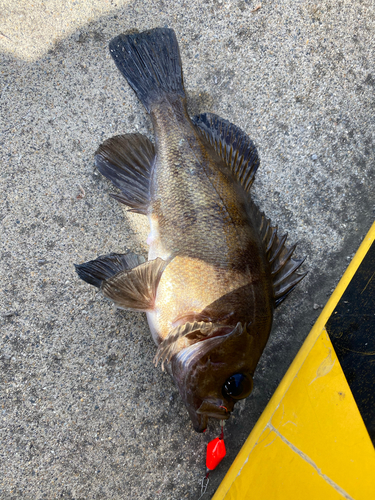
[(217, 415), (201, 424), (211, 409)]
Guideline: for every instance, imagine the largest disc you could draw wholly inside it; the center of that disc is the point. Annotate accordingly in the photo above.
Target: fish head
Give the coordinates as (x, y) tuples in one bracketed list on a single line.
[(216, 372)]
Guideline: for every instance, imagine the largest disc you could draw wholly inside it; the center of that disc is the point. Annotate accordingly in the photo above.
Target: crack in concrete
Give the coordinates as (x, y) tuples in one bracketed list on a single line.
[(310, 462)]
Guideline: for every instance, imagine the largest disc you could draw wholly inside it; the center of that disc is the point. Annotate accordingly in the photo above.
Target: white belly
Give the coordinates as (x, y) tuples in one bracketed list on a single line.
[(157, 249), (153, 324)]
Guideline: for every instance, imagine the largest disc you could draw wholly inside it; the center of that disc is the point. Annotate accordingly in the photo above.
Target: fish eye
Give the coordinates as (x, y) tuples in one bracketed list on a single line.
[(237, 386)]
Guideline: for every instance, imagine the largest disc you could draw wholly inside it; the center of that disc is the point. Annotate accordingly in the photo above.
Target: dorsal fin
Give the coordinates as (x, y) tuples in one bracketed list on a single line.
[(192, 331), (232, 145), (127, 161), (283, 267), (240, 154)]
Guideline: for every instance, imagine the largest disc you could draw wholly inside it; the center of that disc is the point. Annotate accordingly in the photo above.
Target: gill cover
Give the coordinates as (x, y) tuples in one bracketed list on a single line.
[(202, 370)]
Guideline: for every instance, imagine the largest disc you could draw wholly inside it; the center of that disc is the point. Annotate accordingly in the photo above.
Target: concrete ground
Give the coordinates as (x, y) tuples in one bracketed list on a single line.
[(84, 414)]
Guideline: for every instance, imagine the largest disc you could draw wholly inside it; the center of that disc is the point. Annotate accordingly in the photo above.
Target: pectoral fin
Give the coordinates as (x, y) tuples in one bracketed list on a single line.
[(193, 332), (121, 279)]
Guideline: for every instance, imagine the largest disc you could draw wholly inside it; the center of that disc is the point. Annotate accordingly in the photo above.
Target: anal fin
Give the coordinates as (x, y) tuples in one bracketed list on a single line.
[(121, 279), (127, 161)]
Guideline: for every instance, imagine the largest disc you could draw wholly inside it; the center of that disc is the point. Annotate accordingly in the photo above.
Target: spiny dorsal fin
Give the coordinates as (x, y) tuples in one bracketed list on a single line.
[(283, 267), (232, 144), (192, 331), (121, 279), (127, 161)]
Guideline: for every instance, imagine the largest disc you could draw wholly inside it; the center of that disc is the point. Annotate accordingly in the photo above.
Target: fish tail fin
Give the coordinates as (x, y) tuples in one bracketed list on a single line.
[(151, 63)]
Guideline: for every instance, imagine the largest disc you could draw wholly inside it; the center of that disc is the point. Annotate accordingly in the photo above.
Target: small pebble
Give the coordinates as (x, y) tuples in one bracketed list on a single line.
[(314, 157)]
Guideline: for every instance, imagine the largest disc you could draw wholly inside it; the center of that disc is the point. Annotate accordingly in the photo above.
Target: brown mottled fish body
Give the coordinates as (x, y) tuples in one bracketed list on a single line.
[(198, 215), (216, 268)]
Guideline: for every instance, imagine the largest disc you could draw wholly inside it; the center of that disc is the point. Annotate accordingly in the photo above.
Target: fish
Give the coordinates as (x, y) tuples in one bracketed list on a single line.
[(217, 268)]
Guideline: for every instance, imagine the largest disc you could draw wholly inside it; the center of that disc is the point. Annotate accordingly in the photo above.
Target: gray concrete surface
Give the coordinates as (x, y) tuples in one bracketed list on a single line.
[(83, 412)]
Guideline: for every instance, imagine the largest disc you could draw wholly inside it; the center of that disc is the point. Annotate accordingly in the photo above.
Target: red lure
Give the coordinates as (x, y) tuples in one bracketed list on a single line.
[(215, 453)]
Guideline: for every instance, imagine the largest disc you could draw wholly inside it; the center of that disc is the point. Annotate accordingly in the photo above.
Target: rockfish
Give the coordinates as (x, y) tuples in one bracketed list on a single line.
[(216, 267)]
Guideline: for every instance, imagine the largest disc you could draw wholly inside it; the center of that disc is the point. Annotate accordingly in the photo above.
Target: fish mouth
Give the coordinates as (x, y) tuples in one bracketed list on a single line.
[(209, 409)]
